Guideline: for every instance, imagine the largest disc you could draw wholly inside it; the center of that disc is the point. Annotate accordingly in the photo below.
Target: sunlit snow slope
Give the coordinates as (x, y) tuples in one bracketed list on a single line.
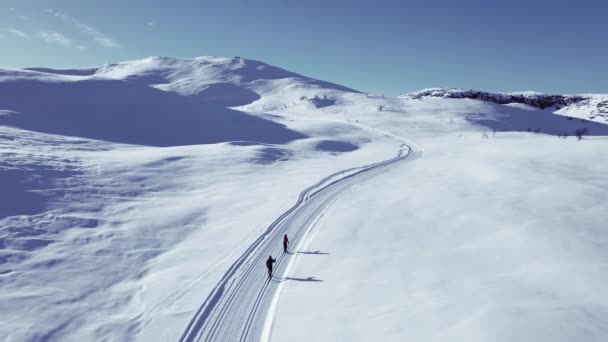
[(139, 201)]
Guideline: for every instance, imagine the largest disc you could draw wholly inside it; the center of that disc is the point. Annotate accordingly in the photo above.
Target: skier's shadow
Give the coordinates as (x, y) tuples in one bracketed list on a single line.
[(313, 253), (313, 279), (309, 279)]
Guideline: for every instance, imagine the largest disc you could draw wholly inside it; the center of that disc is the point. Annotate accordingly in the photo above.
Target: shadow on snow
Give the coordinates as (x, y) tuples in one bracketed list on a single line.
[(125, 112), (309, 279), (312, 279), (504, 118), (313, 253)]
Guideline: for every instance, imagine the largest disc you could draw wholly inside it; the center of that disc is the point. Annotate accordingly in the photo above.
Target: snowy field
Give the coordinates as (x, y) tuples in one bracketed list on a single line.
[(141, 199)]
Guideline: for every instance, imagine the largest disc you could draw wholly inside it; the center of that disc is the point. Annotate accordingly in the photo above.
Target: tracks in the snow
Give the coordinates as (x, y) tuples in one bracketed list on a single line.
[(236, 308)]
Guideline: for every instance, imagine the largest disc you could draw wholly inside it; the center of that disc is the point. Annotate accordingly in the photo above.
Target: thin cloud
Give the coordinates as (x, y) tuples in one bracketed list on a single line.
[(17, 14), (17, 32), (151, 24), (56, 38), (100, 38)]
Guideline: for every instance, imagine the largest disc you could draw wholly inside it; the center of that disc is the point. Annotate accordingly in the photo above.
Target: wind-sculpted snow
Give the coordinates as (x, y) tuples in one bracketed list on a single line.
[(25, 182)]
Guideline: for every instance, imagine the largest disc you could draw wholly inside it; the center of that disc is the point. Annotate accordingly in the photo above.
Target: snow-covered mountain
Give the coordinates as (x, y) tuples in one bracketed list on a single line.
[(140, 200), (157, 101), (227, 81), (588, 106)]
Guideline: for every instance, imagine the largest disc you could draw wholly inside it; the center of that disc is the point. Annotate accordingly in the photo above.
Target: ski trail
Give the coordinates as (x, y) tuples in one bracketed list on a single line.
[(241, 306)]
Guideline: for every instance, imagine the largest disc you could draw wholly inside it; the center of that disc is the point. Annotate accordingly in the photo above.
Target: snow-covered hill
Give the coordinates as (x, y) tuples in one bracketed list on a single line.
[(226, 81), (588, 106), (140, 199)]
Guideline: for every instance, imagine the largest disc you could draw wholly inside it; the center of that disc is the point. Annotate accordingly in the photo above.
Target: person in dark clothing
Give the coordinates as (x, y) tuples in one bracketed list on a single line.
[(269, 264), (285, 242)]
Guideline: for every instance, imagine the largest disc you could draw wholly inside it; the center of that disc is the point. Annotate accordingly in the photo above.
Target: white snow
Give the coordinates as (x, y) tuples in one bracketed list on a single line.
[(137, 206)]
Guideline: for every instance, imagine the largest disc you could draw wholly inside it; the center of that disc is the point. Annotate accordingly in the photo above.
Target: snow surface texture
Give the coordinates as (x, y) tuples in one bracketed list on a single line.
[(137, 206)]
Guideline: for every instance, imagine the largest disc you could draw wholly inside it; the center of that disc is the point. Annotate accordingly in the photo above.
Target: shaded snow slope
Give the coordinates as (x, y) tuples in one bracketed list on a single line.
[(592, 106), (68, 72), (126, 112)]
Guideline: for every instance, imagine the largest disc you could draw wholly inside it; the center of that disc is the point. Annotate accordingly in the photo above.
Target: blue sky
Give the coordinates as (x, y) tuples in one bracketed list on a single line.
[(382, 47)]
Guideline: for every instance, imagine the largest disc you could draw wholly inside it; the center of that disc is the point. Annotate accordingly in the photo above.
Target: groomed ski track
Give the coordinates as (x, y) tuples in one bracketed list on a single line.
[(241, 306)]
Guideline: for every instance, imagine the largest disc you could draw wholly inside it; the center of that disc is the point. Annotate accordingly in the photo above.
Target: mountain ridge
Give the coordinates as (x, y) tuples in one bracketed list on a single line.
[(588, 106), (237, 81)]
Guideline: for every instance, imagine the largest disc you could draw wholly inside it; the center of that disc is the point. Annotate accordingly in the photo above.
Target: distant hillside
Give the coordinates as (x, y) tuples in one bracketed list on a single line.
[(587, 106)]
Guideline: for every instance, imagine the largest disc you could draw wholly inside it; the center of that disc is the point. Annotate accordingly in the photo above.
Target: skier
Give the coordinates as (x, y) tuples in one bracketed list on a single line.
[(269, 263), (285, 242)]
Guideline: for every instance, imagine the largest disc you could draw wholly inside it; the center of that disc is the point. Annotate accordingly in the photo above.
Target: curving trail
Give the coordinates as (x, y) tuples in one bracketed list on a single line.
[(240, 307)]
